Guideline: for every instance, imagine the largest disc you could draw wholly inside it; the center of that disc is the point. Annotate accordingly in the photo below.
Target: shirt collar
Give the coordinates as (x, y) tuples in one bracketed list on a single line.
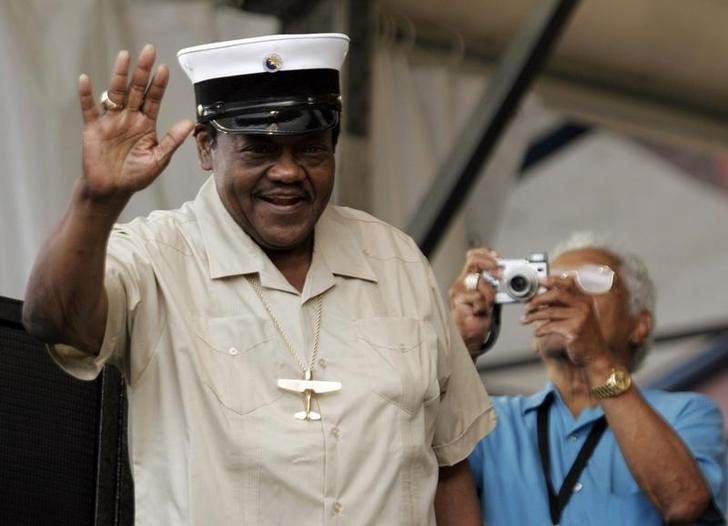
[(586, 417), (339, 244), (536, 400), (231, 251)]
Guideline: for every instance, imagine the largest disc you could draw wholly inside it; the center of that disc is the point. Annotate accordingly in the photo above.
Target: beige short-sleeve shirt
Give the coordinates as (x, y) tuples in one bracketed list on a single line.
[(213, 439)]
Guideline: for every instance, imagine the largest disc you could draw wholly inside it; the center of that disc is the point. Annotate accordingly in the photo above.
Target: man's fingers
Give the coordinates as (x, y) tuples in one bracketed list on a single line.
[(117, 86), (153, 98), (172, 140), (549, 313), (140, 78), (485, 288), (480, 307), (471, 325), (474, 301), (479, 259), (551, 297), (466, 297), (559, 282), (560, 327), (471, 287), (86, 97)]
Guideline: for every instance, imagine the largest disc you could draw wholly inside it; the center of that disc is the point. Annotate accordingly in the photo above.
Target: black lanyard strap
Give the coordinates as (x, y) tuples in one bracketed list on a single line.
[(557, 504)]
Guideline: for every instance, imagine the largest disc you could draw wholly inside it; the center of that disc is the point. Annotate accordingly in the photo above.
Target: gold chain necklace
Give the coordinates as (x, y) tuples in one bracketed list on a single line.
[(307, 386)]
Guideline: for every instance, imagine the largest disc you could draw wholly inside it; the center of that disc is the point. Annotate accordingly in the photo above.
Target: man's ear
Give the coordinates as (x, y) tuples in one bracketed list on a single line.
[(204, 147), (642, 328)]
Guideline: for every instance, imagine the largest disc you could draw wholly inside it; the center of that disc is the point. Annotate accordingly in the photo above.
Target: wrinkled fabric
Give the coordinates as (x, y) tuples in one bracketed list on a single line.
[(509, 477), (213, 439)]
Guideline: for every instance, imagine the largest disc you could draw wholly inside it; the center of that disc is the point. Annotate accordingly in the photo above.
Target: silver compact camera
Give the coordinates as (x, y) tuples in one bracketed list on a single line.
[(519, 280)]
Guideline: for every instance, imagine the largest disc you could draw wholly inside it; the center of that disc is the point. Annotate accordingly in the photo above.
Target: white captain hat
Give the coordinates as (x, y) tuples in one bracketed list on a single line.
[(277, 84)]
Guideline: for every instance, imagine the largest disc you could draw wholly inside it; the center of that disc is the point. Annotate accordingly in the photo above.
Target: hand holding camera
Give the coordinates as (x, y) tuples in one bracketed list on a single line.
[(472, 298), (486, 283)]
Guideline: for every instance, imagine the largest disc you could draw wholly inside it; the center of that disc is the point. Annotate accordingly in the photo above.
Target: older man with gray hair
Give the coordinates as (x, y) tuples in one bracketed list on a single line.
[(591, 447)]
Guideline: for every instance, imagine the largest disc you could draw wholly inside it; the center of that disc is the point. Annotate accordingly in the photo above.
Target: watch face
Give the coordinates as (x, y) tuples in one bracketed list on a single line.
[(617, 383), (621, 379)]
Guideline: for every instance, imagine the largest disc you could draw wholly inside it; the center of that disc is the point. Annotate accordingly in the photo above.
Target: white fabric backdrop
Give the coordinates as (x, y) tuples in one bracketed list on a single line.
[(420, 105), (47, 44)]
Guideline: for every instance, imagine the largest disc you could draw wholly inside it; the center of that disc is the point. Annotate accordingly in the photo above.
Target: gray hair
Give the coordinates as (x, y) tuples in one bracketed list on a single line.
[(637, 280)]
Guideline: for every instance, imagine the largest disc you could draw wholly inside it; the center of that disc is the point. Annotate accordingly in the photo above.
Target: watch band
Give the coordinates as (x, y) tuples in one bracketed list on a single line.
[(606, 391), (618, 382)]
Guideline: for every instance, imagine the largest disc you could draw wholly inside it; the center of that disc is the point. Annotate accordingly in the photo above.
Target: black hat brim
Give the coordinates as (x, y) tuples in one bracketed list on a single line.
[(285, 121)]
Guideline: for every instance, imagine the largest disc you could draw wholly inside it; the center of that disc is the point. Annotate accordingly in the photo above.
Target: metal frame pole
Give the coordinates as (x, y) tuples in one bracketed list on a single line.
[(521, 63)]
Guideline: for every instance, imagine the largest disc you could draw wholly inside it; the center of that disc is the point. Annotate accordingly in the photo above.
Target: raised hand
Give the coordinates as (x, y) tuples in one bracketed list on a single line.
[(472, 307), (566, 311), (121, 151)]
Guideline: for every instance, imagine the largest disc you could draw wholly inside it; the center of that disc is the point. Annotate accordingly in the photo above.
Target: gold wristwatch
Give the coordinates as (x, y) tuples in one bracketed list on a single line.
[(617, 383)]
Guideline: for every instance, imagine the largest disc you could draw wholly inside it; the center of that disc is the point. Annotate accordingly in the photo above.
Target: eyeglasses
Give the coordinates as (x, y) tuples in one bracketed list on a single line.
[(592, 279)]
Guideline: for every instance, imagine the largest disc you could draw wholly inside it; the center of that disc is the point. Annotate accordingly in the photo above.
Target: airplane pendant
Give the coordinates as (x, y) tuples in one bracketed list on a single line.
[(309, 388)]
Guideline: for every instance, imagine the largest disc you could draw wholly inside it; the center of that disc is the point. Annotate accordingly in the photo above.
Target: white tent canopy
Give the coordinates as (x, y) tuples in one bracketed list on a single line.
[(653, 67)]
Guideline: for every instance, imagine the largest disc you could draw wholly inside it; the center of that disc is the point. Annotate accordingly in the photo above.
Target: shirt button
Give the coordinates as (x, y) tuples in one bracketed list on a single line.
[(337, 507), (401, 347), (572, 438), (366, 252), (577, 487), (336, 432), (323, 363), (233, 351)]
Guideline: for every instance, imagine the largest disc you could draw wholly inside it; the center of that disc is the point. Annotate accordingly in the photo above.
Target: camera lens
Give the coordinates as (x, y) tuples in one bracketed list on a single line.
[(519, 284)]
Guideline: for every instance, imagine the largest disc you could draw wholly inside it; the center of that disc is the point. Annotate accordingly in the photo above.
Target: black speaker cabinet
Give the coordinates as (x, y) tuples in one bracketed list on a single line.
[(63, 451)]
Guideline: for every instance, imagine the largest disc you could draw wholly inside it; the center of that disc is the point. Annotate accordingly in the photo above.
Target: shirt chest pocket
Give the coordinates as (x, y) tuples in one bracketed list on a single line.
[(401, 360), (239, 361)]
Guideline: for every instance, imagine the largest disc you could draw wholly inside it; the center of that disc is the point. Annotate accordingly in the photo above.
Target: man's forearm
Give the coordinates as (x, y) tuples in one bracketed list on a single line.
[(65, 298), (658, 459), (456, 503)]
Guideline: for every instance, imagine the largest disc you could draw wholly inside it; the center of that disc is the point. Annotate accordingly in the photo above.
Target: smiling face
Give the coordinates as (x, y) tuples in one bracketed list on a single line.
[(274, 187)]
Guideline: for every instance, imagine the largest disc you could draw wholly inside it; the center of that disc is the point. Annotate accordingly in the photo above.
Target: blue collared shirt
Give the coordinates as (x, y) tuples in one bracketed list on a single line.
[(510, 482)]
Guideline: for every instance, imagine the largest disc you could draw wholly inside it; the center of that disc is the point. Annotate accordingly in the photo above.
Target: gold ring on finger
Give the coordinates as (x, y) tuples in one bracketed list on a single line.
[(108, 104)]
